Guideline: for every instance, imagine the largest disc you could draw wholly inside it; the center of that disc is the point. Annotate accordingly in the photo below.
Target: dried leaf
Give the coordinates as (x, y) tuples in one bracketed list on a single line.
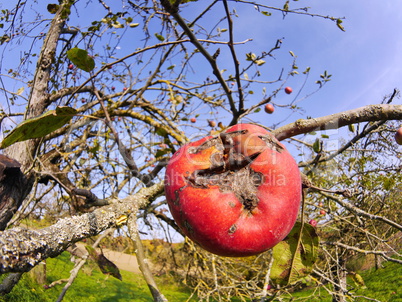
[(295, 256)]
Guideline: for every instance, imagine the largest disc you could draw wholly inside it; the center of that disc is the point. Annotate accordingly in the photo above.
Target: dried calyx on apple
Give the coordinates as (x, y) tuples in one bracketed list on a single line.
[(235, 194)]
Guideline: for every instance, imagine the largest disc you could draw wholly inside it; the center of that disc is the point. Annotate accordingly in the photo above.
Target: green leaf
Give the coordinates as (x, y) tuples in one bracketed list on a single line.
[(20, 90), (117, 24), (81, 59), (39, 126), (351, 127), (91, 251), (95, 148), (53, 8), (265, 13), (107, 267), (161, 132), (162, 152), (339, 24), (160, 37), (317, 145), (250, 56), (259, 62), (286, 6), (358, 280), (295, 256)]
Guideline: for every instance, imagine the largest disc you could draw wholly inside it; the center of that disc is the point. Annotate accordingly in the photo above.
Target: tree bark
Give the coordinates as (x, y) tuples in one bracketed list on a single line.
[(15, 188), (9, 282), (22, 249), (24, 152), (338, 120)]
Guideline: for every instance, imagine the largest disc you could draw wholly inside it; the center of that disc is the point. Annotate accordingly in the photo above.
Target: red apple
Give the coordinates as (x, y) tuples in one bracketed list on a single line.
[(193, 120), (269, 108), (235, 194), (313, 222), (211, 123), (398, 136), (322, 212), (288, 90), (70, 66)]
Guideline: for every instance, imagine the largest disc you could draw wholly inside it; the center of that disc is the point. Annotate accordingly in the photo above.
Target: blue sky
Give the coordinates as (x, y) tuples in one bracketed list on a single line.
[(365, 61)]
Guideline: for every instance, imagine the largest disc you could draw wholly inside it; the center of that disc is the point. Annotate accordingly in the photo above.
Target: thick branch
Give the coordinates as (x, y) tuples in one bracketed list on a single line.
[(338, 120), (21, 249), (13, 189), (19, 186)]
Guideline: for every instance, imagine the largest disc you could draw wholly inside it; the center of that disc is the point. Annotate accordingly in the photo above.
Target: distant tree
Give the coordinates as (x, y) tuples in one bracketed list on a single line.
[(98, 95)]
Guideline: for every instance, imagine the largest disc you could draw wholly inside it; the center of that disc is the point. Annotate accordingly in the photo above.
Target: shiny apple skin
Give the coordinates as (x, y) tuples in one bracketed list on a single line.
[(216, 218)]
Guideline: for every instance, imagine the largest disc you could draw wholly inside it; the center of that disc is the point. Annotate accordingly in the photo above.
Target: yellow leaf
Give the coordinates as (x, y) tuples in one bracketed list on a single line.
[(20, 91)]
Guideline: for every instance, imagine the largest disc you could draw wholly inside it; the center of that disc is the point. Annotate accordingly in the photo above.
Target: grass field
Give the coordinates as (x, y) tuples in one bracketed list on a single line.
[(92, 286)]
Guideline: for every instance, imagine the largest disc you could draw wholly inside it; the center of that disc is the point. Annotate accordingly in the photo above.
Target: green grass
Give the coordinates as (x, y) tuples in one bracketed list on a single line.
[(384, 285), (92, 286)]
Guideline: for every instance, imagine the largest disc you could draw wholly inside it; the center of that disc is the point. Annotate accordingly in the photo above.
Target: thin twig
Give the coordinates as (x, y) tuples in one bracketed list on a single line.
[(212, 61), (365, 252), (235, 60), (360, 212)]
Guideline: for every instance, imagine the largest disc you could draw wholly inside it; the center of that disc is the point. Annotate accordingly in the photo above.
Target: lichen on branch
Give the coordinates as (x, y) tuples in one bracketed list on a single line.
[(335, 121), (22, 249)]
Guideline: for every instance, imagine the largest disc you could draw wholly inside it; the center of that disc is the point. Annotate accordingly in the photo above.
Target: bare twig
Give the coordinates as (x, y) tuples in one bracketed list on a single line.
[(365, 252), (78, 266), (235, 61), (360, 212), (264, 292)]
